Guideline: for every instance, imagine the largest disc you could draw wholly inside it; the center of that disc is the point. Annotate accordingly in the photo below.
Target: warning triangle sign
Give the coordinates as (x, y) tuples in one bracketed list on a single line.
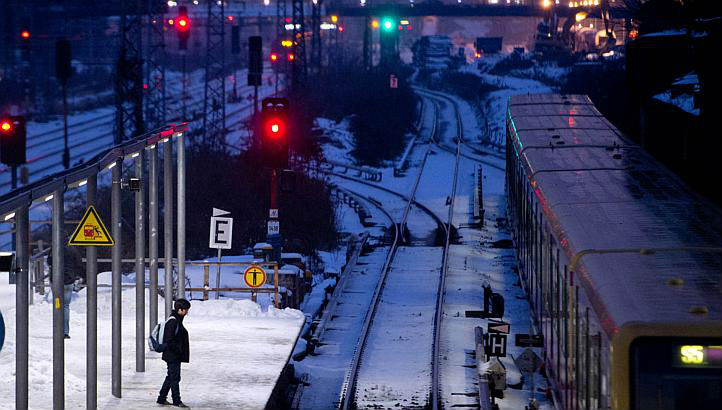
[(91, 231)]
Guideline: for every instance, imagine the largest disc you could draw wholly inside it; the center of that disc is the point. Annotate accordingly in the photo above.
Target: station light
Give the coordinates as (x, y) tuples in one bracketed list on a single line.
[(375, 24), (287, 43), (334, 19)]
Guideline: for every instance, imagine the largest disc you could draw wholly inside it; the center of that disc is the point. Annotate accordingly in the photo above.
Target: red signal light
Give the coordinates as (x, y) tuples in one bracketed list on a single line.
[(291, 57), (340, 29), (6, 126), (275, 128), (183, 23), (274, 57), (171, 22), (25, 34), (229, 18)]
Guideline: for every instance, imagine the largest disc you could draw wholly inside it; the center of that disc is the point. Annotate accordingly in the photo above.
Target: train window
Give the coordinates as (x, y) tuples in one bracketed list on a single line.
[(666, 376)]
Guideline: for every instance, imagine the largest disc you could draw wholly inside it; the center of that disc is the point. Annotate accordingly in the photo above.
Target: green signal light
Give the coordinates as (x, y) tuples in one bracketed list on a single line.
[(388, 24)]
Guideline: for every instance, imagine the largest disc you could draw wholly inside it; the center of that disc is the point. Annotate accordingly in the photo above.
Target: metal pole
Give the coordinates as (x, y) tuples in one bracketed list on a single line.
[(66, 151), (168, 225), (58, 332), (181, 156), (153, 232), (255, 99), (13, 241), (22, 313), (140, 265), (218, 276), (116, 287), (183, 80), (91, 280)]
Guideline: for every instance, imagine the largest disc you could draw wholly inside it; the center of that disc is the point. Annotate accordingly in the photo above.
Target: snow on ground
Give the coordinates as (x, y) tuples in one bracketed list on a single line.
[(396, 364), (472, 263), (684, 102), (238, 349), (326, 369), (514, 83), (496, 101)]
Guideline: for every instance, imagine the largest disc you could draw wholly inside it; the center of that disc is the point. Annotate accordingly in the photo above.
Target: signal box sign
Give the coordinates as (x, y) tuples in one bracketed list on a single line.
[(91, 231), (254, 276)]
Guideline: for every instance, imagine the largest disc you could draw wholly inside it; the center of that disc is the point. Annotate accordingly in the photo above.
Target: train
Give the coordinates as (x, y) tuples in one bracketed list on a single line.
[(620, 259)]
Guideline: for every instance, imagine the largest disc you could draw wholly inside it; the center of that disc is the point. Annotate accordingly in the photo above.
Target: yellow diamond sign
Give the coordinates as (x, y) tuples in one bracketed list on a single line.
[(91, 231)]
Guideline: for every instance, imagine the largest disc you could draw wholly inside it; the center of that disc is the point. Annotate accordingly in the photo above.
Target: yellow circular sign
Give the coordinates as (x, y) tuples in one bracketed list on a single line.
[(254, 276)]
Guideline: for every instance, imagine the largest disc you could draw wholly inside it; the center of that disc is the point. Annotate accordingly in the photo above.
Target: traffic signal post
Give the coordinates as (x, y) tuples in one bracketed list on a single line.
[(183, 29), (274, 145), (13, 141)]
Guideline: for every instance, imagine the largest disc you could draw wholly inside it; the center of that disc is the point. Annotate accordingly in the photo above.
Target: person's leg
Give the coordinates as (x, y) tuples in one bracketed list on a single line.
[(175, 382), (67, 298), (166, 384)]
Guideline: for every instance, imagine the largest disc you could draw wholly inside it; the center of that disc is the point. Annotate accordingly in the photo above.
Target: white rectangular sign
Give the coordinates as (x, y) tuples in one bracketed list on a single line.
[(221, 232), (274, 227), (273, 213)]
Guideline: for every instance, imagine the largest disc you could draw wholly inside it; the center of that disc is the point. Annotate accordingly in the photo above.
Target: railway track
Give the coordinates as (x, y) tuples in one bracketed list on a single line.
[(364, 386), (477, 154)]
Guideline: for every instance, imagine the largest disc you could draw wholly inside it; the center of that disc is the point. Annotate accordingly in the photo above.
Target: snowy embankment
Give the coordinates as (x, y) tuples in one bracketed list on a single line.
[(238, 350), (543, 78)]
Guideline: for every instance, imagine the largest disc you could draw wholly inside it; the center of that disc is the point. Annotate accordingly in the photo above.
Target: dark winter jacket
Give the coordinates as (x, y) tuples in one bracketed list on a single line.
[(177, 346), (73, 266)]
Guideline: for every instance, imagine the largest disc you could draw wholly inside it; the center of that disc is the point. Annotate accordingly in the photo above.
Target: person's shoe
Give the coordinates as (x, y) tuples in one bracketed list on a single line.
[(181, 405), (67, 336), (163, 402)]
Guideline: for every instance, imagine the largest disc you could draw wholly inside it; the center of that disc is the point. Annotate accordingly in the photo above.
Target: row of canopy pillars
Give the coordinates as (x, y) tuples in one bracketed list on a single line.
[(144, 211)]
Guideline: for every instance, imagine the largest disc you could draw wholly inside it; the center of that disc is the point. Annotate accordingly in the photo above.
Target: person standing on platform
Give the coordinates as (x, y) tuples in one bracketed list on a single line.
[(74, 271), (177, 351)]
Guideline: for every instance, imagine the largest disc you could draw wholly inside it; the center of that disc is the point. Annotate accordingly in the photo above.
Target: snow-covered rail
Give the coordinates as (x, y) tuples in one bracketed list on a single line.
[(478, 153), (368, 362), (435, 374)]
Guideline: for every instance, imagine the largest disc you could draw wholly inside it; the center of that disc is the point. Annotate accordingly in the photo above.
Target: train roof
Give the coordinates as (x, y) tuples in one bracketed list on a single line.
[(600, 191)]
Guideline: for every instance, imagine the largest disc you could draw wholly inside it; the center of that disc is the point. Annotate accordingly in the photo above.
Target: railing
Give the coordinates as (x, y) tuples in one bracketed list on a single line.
[(206, 280), (368, 172), (479, 196), (16, 205)]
